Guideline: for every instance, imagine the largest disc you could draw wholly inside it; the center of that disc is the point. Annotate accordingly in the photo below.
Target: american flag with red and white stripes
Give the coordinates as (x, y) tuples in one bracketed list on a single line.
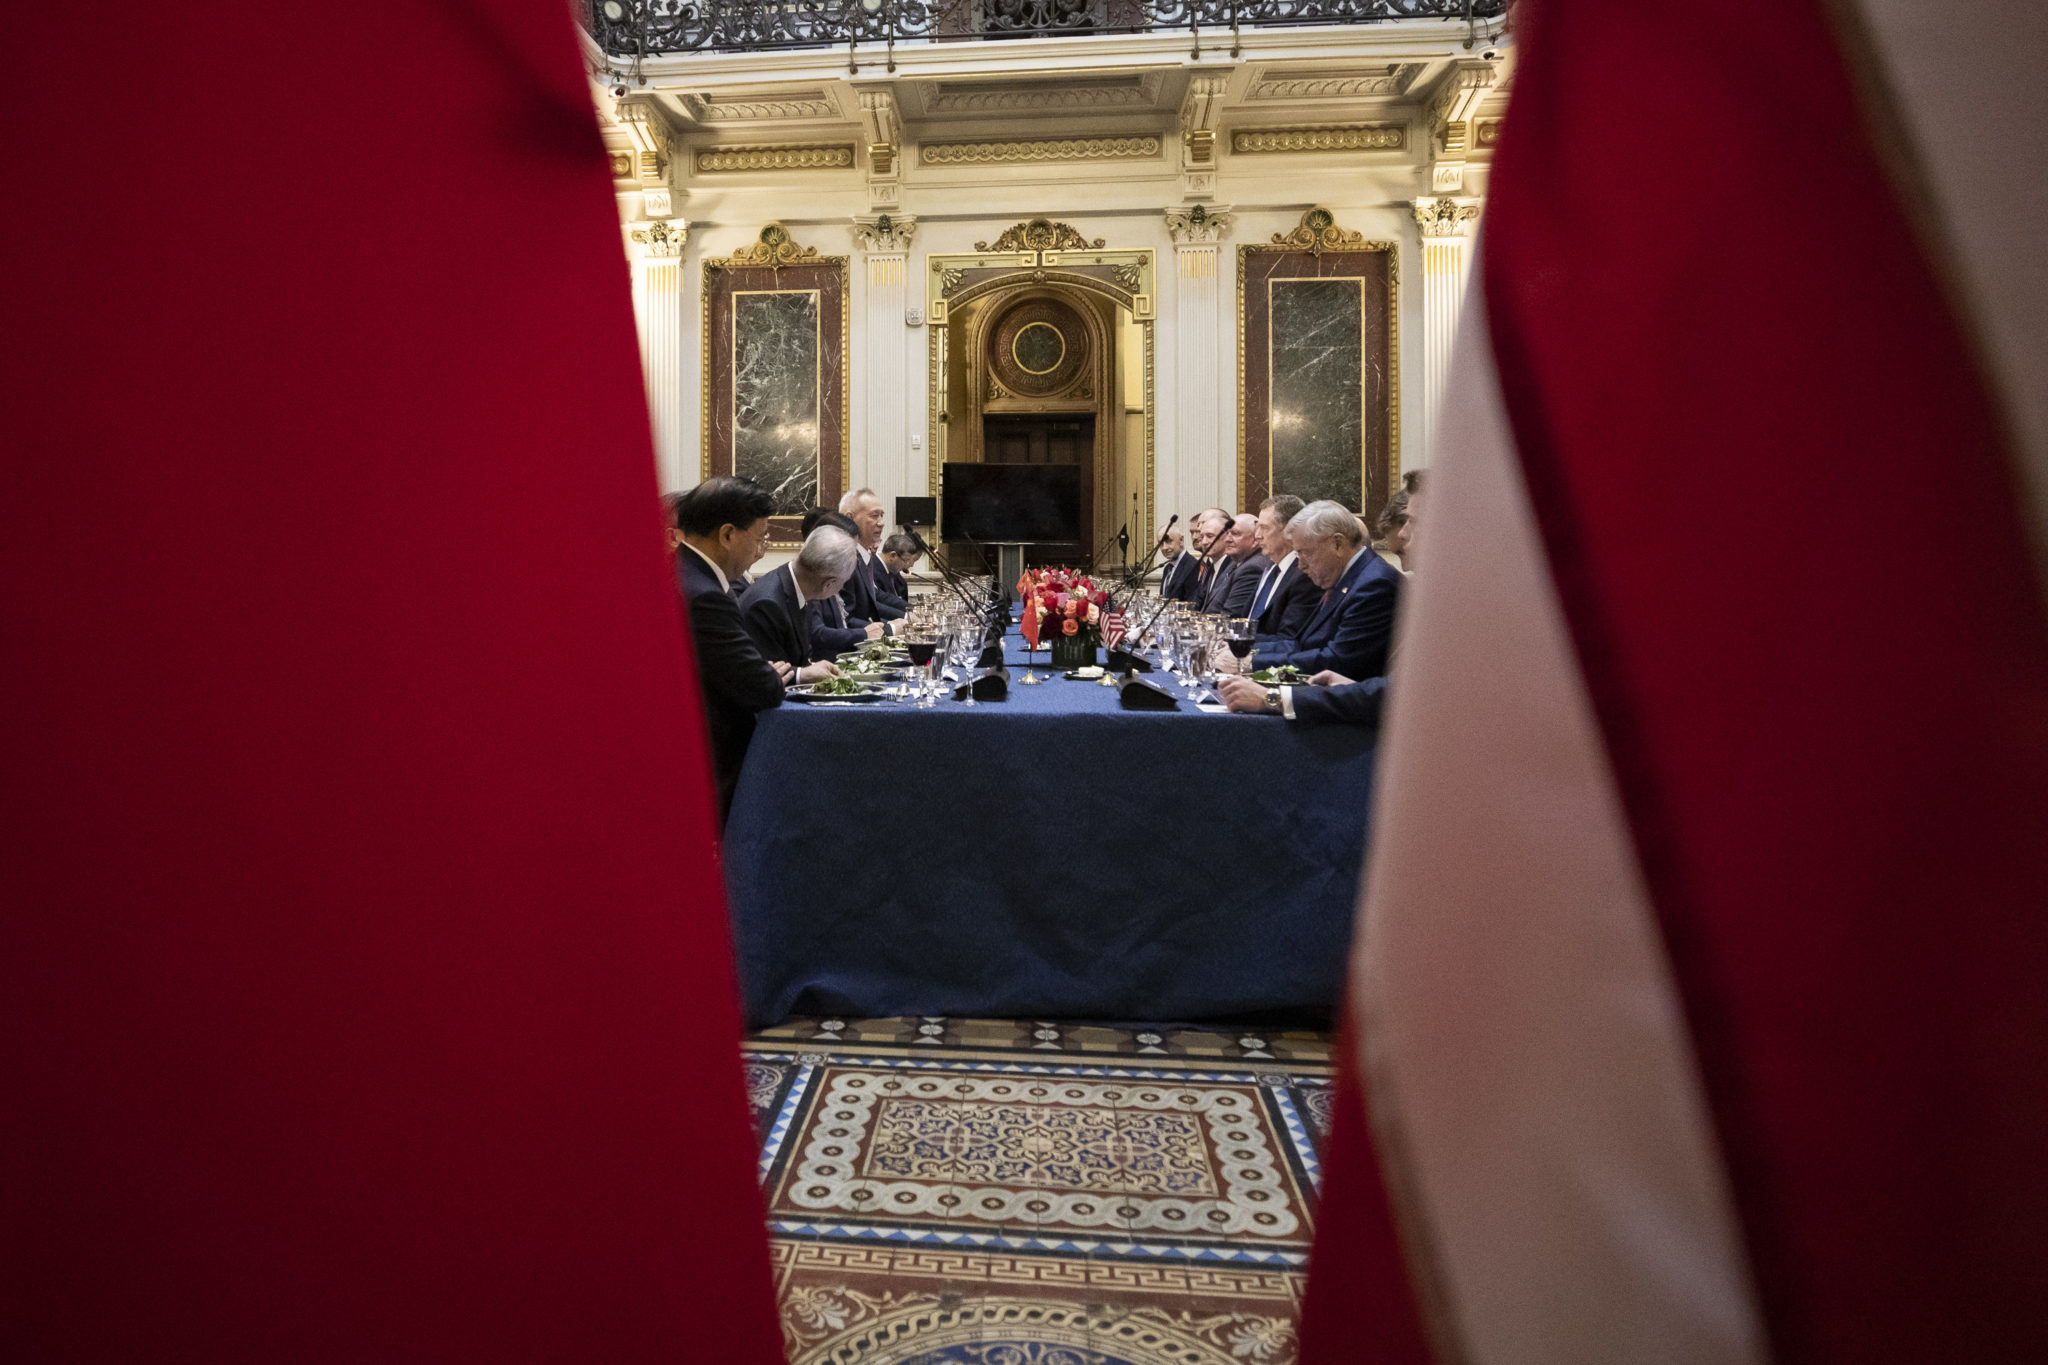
[(1112, 628), (1696, 1003)]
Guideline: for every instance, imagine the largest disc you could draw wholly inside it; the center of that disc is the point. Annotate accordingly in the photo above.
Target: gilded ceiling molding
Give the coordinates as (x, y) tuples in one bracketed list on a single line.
[(1444, 217), (1037, 149), (809, 157), (882, 232), (1322, 85), (663, 239), (1120, 92), (772, 247), (1487, 134), (789, 104), (1041, 234), (1357, 137), (1318, 232), (1198, 224)]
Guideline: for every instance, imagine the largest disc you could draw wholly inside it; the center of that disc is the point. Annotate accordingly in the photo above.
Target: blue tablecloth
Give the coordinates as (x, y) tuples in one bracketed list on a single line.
[(1050, 856)]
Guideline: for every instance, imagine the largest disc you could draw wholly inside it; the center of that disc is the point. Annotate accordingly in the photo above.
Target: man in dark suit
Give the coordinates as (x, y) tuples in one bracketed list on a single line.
[(1352, 628), (834, 629), (774, 609), (1240, 548), (1280, 597), (1329, 697), (720, 528), (1176, 566), (1198, 568), (864, 509), (892, 588)]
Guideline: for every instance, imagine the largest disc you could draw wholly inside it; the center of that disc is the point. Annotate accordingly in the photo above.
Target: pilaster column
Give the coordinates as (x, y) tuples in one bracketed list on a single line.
[(881, 453), (1201, 476), (1445, 225), (658, 310)]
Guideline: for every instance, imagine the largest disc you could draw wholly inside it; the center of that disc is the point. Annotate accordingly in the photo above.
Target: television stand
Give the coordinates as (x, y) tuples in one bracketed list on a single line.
[(1009, 566)]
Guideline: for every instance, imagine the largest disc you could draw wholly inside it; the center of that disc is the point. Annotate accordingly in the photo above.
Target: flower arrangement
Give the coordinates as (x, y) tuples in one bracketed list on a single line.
[(1071, 612)]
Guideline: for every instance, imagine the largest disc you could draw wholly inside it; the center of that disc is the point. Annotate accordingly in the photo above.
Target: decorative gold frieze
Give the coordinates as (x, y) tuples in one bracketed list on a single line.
[(1488, 134), (764, 104), (1323, 85), (1040, 234), (1357, 137), (1002, 97), (1038, 149), (727, 160), (1318, 232), (773, 247), (621, 164)]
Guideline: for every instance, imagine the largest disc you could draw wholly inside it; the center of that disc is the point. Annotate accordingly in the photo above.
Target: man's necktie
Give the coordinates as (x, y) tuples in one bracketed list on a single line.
[(1265, 593)]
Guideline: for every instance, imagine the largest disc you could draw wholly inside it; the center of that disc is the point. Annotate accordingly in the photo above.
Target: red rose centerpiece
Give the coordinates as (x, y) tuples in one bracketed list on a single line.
[(1065, 608)]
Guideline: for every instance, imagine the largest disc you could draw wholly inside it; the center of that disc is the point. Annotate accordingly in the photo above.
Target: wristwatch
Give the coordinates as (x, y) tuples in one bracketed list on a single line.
[(1273, 700)]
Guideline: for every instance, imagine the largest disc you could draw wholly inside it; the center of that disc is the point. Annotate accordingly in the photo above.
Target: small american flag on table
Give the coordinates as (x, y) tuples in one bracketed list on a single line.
[(1113, 628)]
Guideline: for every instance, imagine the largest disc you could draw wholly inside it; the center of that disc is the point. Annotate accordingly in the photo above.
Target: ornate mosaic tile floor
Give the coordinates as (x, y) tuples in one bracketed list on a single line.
[(995, 1192)]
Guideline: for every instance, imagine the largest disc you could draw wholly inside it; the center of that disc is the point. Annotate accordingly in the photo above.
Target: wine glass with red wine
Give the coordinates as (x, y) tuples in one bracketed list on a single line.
[(921, 649), (1241, 634)]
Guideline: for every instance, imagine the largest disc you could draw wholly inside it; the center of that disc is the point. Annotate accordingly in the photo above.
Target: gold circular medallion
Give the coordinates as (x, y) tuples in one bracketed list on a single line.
[(1038, 348)]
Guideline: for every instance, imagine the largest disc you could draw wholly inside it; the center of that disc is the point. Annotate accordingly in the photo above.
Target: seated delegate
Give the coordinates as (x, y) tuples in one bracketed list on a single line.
[(775, 609), (1352, 627)]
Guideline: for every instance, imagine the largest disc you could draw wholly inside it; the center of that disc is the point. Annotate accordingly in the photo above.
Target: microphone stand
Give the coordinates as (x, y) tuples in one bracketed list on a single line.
[(1137, 575), (953, 580)]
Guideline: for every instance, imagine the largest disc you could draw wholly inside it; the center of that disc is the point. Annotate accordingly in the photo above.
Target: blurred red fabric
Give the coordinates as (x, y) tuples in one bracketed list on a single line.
[(368, 988)]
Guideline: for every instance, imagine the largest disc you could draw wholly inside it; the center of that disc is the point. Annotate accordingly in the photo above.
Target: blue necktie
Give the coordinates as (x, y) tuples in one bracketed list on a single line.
[(1265, 592)]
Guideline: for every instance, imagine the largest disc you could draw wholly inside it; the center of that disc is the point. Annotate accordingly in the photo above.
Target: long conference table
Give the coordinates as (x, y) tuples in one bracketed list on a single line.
[(1051, 856)]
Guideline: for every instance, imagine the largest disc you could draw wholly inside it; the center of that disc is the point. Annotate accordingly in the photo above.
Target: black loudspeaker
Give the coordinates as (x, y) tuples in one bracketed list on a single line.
[(917, 511)]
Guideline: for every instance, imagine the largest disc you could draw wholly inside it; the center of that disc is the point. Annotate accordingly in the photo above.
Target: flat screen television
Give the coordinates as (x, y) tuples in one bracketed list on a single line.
[(1011, 504)]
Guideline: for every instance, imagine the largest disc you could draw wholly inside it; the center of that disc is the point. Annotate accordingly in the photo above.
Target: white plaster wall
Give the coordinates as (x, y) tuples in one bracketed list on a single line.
[(1121, 201)]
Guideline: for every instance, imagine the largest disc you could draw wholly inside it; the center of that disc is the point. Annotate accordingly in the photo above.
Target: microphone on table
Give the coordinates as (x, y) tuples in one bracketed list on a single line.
[(1137, 575), (955, 582)]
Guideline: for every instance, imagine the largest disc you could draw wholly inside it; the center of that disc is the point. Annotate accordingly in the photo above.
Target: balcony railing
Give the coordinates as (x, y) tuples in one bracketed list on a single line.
[(646, 28)]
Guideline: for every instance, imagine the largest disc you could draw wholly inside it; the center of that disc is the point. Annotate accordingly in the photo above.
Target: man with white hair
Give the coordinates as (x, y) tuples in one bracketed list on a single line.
[(1242, 565), (773, 608), (863, 602), (1353, 626), (1191, 574), (1330, 698)]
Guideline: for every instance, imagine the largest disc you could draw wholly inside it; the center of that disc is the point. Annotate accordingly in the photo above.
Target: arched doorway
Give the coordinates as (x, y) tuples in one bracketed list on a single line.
[(1078, 389), (1041, 378)]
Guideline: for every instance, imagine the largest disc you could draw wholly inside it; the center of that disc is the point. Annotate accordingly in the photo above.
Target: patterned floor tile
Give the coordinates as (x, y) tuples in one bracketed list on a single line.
[(1030, 1192)]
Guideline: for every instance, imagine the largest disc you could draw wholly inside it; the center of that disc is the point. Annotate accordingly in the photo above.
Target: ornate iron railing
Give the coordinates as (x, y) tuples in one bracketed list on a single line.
[(646, 28)]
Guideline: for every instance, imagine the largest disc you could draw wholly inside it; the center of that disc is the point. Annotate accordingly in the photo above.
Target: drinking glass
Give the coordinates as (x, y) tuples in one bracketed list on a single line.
[(1241, 635), (922, 646)]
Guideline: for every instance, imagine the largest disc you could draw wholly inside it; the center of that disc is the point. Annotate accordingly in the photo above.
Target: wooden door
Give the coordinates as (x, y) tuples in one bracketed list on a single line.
[(1040, 439)]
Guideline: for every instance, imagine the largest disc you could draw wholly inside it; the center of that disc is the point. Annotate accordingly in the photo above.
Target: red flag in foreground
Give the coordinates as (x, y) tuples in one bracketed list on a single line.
[(367, 984), (1699, 983)]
